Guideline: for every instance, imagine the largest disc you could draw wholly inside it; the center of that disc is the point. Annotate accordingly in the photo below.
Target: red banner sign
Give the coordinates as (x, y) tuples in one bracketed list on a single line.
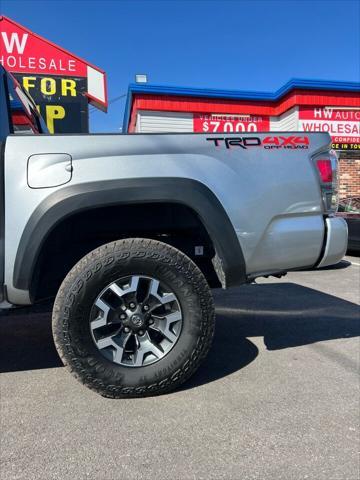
[(22, 52), (61, 83), (212, 123), (342, 124)]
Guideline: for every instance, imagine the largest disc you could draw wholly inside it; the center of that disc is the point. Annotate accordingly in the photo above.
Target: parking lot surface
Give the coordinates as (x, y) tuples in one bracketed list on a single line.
[(277, 398)]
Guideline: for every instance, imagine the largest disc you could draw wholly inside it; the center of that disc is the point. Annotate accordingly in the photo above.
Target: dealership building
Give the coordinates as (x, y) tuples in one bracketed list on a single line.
[(299, 106)]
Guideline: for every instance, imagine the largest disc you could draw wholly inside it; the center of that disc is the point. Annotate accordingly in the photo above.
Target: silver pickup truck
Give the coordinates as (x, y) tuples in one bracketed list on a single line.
[(130, 232)]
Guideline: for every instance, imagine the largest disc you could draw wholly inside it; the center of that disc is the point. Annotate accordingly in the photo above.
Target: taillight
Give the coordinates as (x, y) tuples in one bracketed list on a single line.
[(327, 165), (325, 170)]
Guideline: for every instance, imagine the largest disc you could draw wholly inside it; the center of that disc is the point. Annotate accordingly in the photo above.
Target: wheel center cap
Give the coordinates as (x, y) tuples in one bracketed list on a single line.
[(137, 320)]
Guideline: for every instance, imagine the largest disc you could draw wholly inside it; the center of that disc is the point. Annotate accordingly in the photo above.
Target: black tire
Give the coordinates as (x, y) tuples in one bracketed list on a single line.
[(71, 318)]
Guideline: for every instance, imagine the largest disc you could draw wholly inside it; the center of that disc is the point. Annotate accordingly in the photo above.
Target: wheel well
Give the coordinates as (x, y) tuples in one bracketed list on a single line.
[(77, 235)]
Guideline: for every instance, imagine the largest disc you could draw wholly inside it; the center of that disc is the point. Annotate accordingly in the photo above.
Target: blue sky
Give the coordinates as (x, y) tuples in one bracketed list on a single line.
[(242, 45)]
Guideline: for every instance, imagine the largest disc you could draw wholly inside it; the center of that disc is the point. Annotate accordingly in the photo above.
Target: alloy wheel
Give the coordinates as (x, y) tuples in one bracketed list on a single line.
[(136, 321)]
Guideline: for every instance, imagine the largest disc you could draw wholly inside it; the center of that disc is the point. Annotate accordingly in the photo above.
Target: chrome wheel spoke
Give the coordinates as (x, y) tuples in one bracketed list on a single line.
[(163, 324), (167, 298), (116, 342), (145, 347), (102, 317), (104, 307), (134, 283), (105, 342), (155, 298), (120, 346), (151, 298), (127, 290), (116, 289)]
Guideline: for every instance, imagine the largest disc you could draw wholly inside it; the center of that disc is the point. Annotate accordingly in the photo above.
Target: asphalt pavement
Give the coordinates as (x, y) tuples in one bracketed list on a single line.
[(277, 398)]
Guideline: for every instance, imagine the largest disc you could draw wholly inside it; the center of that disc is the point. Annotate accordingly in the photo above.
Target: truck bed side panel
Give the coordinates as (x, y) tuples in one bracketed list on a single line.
[(271, 196)]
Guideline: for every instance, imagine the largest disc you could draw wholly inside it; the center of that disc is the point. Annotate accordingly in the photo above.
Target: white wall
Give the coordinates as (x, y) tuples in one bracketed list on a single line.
[(150, 121), (288, 121)]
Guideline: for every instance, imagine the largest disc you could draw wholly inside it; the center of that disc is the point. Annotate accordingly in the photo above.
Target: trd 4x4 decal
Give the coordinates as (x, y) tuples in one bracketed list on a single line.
[(273, 142)]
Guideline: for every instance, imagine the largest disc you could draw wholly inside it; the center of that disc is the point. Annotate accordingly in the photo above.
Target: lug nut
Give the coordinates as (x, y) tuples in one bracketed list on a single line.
[(141, 332), (151, 321), (123, 316), (132, 305), (126, 329), (123, 307), (146, 308)]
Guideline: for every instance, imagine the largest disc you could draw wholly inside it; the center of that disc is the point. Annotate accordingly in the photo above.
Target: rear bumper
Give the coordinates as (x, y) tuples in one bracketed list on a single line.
[(336, 241)]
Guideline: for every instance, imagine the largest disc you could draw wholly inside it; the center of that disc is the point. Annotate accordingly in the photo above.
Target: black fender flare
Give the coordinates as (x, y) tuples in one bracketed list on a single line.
[(229, 261)]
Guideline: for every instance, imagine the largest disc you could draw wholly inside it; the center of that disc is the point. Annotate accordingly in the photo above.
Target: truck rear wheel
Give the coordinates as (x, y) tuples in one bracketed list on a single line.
[(133, 318)]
